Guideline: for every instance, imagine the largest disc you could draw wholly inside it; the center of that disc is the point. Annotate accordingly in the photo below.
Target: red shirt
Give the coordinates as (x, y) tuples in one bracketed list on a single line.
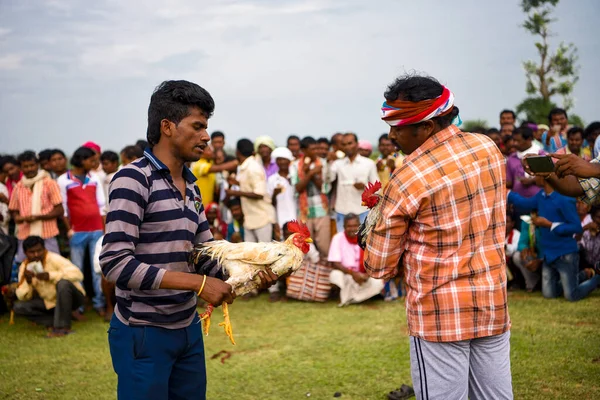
[(83, 202)]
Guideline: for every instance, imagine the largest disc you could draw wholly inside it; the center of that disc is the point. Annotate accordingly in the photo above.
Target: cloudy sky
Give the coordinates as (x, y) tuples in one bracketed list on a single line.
[(72, 71)]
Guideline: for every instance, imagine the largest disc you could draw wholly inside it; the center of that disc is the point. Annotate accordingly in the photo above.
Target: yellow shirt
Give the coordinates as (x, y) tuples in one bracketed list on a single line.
[(206, 180), (58, 268), (252, 178)]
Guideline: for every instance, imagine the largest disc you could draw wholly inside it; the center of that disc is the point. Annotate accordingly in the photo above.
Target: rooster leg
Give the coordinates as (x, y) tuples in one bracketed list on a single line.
[(205, 316), (226, 324), (11, 320)]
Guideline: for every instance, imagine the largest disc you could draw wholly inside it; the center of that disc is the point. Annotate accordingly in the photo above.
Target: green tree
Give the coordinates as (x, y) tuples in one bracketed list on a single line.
[(472, 125), (556, 72)]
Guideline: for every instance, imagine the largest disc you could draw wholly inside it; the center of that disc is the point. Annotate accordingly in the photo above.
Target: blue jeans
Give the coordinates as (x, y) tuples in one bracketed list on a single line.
[(339, 220), (155, 363), (562, 276), (78, 242)]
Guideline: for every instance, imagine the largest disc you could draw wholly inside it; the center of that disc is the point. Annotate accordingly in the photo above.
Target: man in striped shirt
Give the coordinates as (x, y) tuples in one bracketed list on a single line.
[(443, 221), (155, 216)]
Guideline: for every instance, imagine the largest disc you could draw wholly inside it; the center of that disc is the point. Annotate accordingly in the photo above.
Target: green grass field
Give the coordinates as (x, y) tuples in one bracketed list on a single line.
[(287, 350)]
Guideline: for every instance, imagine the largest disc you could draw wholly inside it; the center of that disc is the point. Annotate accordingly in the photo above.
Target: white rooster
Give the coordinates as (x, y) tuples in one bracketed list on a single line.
[(372, 200), (241, 263)]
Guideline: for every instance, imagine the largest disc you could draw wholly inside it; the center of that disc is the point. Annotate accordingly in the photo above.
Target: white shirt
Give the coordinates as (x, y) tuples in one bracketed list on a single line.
[(514, 244), (4, 210), (286, 200), (348, 198)]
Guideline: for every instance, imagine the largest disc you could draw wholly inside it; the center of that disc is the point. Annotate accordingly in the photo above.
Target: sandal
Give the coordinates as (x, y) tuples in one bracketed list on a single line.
[(402, 393)]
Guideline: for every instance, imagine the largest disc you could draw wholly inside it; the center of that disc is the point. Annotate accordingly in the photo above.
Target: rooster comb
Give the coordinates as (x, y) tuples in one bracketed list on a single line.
[(295, 226), (370, 190)]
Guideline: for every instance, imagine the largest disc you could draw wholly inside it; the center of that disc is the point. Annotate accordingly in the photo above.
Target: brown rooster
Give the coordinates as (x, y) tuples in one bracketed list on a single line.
[(8, 292), (241, 263), (370, 199)]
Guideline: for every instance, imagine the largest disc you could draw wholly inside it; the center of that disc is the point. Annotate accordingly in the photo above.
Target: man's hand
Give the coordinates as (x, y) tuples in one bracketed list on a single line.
[(541, 222), (359, 186), (570, 164), (43, 276), (277, 191), (359, 277), (3, 198), (391, 164), (70, 233), (267, 278), (216, 291), (316, 171), (591, 226), (528, 169), (28, 275), (527, 181)]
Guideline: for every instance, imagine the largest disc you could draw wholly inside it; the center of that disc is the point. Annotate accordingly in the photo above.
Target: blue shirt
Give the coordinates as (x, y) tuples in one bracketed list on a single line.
[(562, 212), (151, 229)]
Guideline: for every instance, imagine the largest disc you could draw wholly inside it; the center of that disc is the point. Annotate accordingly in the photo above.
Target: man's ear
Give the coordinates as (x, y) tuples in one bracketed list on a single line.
[(166, 127), (426, 128)]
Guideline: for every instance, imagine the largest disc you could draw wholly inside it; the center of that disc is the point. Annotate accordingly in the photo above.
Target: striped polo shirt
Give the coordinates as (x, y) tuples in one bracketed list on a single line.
[(150, 229)]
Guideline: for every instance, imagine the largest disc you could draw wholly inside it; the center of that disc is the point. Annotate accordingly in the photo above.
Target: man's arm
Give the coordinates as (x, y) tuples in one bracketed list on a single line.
[(572, 225), (525, 204), (230, 166), (66, 270)]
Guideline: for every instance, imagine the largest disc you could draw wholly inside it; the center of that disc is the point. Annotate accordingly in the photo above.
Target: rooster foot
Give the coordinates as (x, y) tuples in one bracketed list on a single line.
[(226, 324)]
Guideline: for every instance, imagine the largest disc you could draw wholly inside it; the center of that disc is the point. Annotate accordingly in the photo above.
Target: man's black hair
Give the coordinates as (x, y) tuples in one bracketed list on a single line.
[(45, 155), (8, 160), (57, 151), (492, 130), (27, 155), (292, 137), (525, 132), (245, 147), (591, 128), (507, 111), (82, 153), (142, 144), (173, 100), (217, 134), (235, 201), (384, 136), (132, 152), (351, 134), (110, 156), (418, 88), (574, 131), (350, 217), (557, 111), (307, 141), (32, 241), (323, 140)]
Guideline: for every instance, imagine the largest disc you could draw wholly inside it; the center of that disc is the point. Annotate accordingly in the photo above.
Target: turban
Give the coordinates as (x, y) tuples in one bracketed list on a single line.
[(92, 146), (400, 113), (266, 140), (282, 152), (365, 145)]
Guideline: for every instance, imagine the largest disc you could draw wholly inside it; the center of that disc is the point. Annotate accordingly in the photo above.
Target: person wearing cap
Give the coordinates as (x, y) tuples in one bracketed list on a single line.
[(443, 221), (263, 147), (365, 148), (283, 194)]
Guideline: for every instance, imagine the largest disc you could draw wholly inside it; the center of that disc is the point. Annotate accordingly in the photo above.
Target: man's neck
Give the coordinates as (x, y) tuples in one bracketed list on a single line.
[(266, 160), (241, 159), (174, 164), (353, 157), (78, 171), (547, 188), (283, 173)]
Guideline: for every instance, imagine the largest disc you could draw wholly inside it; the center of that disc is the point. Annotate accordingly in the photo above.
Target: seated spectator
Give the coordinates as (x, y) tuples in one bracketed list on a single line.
[(130, 153), (575, 144), (527, 257), (217, 226), (590, 241), (283, 194), (348, 273), (235, 230), (365, 148), (49, 288), (583, 210), (311, 281), (511, 243), (558, 222)]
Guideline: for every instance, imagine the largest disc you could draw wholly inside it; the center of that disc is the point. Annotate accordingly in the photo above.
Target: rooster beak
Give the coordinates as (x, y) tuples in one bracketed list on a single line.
[(309, 240), (363, 204)]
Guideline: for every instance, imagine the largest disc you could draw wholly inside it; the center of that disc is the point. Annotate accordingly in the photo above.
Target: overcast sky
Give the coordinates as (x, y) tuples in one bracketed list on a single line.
[(73, 71)]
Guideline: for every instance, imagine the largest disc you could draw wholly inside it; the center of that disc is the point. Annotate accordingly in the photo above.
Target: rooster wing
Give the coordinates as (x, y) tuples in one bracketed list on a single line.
[(367, 226)]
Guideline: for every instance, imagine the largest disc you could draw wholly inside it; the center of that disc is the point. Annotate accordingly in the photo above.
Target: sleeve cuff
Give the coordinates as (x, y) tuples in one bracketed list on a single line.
[(555, 224), (158, 278)]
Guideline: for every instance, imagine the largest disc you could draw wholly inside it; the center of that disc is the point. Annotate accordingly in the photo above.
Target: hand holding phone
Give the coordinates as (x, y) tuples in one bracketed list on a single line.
[(540, 164)]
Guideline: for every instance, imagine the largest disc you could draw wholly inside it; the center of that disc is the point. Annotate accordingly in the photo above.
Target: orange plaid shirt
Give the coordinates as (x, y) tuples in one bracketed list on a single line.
[(20, 200), (443, 216)]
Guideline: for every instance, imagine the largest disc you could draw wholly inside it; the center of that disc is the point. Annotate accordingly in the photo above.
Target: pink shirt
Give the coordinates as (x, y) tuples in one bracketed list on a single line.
[(344, 252)]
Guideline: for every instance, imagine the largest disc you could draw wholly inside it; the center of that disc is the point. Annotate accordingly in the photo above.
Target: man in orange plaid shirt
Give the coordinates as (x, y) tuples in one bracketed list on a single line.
[(443, 221)]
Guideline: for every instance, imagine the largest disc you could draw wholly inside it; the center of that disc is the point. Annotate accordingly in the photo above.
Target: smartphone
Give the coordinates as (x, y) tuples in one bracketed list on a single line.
[(540, 164)]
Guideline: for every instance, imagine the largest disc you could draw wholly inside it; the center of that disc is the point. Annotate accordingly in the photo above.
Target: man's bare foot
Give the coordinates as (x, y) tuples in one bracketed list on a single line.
[(78, 316), (58, 332), (101, 312)]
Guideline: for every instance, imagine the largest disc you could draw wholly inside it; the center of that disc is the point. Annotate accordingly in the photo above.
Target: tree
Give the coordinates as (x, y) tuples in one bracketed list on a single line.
[(473, 125), (556, 73)]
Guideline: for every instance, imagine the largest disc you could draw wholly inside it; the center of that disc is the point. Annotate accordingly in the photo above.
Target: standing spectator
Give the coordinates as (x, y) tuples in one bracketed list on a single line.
[(293, 145), (84, 205), (575, 144), (235, 229), (44, 159), (263, 147), (49, 288), (259, 214), (142, 144), (494, 134), (217, 140), (508, 117), (348, 274), (516, 178), (352, 174), (129, 154), (558, 221), (97, 167), (205, 171), (336, 152), (323, 147), (309, 175), (4, 214), (591, 133), (556, 137), (365, 148), (283, 194), (506, 130), (58, 163), (10, 166), (386, 163), (35, 205), (110, 165)]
